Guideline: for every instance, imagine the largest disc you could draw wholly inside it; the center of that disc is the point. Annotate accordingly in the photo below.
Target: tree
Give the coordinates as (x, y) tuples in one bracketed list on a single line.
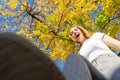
[(47, 22)]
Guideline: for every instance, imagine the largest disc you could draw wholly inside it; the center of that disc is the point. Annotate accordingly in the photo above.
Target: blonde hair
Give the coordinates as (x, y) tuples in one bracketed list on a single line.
[(86, 33)]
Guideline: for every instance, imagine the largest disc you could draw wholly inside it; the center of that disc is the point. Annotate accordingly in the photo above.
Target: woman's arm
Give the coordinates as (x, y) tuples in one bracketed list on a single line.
[(111, 42)]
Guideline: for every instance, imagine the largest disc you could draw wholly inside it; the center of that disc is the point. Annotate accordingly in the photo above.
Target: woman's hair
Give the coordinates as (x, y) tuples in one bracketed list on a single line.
[(86, 33)]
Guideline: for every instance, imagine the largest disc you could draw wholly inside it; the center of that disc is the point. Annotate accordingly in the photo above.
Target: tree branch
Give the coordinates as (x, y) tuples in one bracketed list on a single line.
[(62, 16), (50, 42), (35, 17), (110, 19)]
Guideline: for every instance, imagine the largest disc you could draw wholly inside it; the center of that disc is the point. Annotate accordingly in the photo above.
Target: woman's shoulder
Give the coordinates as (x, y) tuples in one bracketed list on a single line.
[(98, 35)]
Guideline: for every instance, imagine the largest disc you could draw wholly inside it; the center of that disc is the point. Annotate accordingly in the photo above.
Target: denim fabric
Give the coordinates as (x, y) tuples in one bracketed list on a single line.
[(78, 68), (75, 68)]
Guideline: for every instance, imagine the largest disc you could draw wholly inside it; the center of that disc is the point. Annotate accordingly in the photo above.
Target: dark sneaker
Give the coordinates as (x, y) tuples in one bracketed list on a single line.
[(22, 60)]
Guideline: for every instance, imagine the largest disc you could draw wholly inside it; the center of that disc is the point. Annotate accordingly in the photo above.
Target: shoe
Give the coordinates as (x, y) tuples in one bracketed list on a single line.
[(20, 59)]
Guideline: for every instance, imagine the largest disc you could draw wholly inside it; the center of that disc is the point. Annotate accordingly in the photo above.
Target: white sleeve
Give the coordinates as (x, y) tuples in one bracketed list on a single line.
[(98, 35)]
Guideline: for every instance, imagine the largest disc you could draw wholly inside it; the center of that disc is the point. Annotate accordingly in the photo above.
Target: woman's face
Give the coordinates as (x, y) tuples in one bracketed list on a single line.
[(77, 35)]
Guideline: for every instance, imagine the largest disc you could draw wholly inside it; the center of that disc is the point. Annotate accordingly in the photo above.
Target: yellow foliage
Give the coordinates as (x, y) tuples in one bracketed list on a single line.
[(36, 33), (45, 38), (13, 3), (55, 53), (5, 13), (60, 15), (1, 7), (113, 30)]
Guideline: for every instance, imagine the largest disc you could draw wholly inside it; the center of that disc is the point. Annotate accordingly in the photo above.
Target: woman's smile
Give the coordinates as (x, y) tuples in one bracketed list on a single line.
[(77, 35)]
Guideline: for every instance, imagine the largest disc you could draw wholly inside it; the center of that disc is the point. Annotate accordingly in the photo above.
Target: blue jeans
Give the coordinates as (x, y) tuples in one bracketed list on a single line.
[(78, 68)]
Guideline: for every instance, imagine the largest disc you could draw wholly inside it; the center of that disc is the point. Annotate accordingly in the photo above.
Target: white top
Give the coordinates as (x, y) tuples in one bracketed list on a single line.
[(93, 47)]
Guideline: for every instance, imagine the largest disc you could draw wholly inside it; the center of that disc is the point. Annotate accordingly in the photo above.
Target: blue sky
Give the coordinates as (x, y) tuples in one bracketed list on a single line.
[(14, 27)]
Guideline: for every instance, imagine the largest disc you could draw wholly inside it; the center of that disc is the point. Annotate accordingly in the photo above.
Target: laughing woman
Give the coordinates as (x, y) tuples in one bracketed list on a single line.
[(95, 48)]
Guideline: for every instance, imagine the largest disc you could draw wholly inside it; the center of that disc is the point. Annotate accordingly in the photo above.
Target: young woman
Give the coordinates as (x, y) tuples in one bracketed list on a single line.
[(96, 49)]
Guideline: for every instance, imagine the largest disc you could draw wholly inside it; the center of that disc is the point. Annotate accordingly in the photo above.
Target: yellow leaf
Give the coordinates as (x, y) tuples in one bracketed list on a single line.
[(36, 33), (13, 3)]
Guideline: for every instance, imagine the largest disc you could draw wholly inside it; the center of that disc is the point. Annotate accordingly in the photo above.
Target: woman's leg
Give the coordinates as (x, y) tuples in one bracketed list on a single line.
[(21, 60), (77, 67)]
